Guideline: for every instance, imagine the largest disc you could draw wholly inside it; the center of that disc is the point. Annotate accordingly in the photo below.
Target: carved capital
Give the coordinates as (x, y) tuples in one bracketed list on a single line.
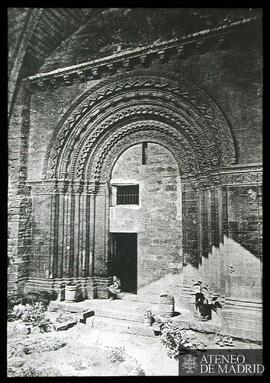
[(46, 187), (78, 187), (92, 187), (62, 186)]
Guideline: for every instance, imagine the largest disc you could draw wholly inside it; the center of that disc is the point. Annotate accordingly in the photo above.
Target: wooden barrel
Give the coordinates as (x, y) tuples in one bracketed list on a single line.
[(148, 318), (70, 293), (166, 305)]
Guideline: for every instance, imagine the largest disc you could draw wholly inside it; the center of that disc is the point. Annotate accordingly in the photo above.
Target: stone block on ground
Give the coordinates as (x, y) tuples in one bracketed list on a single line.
[(65, 325)]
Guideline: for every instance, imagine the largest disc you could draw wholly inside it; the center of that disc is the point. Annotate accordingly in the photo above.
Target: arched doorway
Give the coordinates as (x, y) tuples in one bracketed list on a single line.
[(146, 219), (101, 124)]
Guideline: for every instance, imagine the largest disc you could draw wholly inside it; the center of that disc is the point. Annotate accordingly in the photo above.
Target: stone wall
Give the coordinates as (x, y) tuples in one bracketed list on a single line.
[(232, 76), (19, 200), (47, 110), (41, 227)]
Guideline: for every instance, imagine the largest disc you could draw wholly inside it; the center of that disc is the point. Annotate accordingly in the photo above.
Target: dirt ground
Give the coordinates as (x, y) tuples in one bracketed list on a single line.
[(89, 351)]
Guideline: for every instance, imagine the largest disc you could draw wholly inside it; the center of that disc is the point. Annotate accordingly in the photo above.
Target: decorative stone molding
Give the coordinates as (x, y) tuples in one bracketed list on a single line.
[(233, 176), (249, 178), (181, 104), (101, 164), (186, 131), (47, 187), (63, 187), (90, 287)]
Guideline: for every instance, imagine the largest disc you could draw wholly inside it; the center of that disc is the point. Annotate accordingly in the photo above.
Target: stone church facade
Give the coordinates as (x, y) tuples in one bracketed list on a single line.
[(145, 163)]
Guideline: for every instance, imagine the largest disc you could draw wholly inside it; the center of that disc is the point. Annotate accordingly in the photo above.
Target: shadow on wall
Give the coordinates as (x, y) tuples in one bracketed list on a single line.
[(248, 235), (229, 270), (245, 218), (243, 271)]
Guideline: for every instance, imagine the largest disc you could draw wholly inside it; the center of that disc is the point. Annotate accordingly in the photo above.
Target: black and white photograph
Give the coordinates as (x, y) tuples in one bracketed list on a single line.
[(134, 191)]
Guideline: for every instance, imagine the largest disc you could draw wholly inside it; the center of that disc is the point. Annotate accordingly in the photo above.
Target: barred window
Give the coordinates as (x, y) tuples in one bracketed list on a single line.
[(127, 195)]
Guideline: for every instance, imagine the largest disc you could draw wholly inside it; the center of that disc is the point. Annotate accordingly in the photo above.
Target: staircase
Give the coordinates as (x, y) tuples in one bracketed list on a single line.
[(120, 315), (126, 314)]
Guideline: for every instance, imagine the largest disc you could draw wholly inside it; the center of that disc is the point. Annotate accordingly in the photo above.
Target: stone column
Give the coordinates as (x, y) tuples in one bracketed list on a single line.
[(90, 214), (101, 230), (191, 238)]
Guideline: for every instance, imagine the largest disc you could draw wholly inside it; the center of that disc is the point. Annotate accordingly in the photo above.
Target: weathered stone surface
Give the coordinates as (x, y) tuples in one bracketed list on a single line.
[(60, 230)]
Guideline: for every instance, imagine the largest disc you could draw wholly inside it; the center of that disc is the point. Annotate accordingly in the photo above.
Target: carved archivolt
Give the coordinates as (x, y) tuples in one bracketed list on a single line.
[(100, 165), (179, 123), (124, 105)]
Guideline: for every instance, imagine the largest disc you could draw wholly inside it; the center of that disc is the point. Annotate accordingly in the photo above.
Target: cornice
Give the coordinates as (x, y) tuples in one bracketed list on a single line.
[(133, 58)]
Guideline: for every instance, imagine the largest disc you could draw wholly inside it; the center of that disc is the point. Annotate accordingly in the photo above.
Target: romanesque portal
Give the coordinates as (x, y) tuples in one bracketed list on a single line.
[(145, 164), (75, 188)]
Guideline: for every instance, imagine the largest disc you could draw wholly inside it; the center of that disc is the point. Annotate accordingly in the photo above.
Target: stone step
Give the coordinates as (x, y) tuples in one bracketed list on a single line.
[(115, 314), (81, 312), (120, 325), (149, 298), (133, 311), (118, 309)]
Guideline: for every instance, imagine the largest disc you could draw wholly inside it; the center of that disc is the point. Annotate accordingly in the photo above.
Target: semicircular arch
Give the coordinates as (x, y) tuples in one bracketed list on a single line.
[(136, 97)]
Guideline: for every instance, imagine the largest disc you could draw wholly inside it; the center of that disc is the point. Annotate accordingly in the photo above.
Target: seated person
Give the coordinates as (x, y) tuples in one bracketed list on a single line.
[(115, 288)]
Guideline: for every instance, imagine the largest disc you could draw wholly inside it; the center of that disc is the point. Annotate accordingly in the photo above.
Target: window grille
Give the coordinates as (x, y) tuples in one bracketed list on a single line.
[(127, 195)]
